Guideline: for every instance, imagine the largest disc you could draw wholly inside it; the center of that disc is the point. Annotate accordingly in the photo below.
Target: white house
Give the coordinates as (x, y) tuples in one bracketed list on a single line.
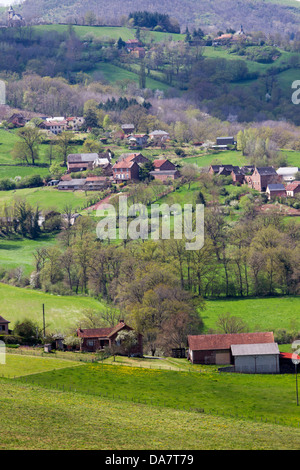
[(288, 173)]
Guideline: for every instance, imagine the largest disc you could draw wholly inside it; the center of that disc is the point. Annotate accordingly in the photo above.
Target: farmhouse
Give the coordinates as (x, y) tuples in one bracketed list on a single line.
[(261, 177), (72, 185), (164, 170), (224, 143), (133, 157), (17, 120), (126, 170), (96, 183), (88, 161), (56, 127), (98, 338), (216, 349), (127, 128), (137, 140)]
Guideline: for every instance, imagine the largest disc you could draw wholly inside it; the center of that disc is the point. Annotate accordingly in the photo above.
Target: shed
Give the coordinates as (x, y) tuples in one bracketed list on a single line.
[(259, 358)]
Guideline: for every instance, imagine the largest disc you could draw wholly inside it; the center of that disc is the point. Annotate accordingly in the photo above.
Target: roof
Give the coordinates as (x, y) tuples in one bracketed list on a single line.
[(292, 186), (224, 341), (124, 164), (158, 132), (258, 349), (267, 170), (164, 172), (73, 182), (159, 163), (82, 157), (101, 332), (276, 187), (289, 170), (2, 320)]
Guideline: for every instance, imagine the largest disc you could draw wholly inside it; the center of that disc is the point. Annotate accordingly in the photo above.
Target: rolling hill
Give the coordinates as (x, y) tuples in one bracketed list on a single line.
[(267, 15)]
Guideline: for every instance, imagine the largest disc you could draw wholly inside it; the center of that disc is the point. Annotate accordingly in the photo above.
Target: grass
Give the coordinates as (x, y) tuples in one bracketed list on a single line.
[(37, 419), (61, 312), (256, 397), (16, 366), (9, 171), (260, 314), (49, 198), (18, 252)]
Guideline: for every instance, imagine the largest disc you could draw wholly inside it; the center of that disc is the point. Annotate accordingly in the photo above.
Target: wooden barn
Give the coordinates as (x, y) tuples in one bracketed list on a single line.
[(216, 349)]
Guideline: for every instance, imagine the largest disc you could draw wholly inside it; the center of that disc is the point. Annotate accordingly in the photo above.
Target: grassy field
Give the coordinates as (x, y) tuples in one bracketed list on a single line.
[(33, 418), (47, 197), (111, 406), (61, 312), (260, 314), (18, 252)]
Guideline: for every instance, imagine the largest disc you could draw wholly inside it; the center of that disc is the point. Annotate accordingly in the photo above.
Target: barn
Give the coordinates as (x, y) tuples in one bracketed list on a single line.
[(256, 358), (216, 348)]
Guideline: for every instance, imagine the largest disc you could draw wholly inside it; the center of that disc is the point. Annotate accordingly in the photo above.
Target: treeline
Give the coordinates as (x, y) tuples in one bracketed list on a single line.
[(156, 21)]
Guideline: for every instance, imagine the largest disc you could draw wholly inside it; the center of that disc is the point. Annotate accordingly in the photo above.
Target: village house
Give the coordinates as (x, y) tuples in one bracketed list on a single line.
[(126, 170), (262, 177), (216, 348), (4, 330), (96, 183), (275, 190), (134, 157), (224, 170), (159, 137), (95, 339), (292, 189), (137, 140), (131, 44), (164, 170), (89, 161), (17, 120), (75, 123), (288, 174), (128, 129), (138, 52), (56, 127)]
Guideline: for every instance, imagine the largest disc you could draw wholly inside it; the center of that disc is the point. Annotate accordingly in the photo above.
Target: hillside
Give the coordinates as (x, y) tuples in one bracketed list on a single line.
[(268, 15)]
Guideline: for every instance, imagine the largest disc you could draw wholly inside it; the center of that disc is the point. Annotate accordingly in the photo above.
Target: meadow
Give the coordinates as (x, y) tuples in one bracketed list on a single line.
[(111, 406), (54, 420)]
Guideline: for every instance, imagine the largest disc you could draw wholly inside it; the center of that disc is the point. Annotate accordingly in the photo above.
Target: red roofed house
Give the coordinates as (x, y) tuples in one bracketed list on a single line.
[(4, 326), (216, 349), (164, 169), (163, 164), (125, 170), (292, 188), (98, 338)]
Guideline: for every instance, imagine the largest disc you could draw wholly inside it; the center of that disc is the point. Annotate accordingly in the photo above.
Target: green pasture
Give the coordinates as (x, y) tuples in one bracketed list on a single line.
[(48, 198), (9, 171), (253, 396), (260, 314), (18, 252), (16, 366), (61, 312), (33, 418)]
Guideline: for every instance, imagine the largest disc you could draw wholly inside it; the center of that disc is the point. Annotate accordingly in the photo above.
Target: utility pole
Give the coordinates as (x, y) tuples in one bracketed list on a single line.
[(44, 328)]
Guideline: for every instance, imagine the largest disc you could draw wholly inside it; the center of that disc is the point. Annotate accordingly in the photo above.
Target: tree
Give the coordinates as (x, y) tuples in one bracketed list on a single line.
[(29, 331), (27, 149), (228, 324), (64, 145), (56, 171), (127, 340)]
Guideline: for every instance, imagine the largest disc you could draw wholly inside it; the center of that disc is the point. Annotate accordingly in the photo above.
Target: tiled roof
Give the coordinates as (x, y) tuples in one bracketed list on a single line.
[(292, 186), (101, 332), (159, 163), (224, 341)]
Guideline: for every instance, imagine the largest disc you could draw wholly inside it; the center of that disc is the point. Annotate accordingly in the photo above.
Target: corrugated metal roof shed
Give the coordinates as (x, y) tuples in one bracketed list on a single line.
[(254, 349)]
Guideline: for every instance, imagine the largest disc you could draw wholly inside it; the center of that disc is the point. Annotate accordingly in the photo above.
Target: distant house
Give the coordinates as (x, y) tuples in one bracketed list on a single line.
[(292, 189), (134, 157), (288, 173), (138, 52), (127, 128), (159, 137), (17, 120), (14, 19), (163, 164), (132, 44), (275, 190), (262, 177), (72, 185), (224, 143), (165, 175), (87, 161), (126, 170), (224, 170), (96, 183), (216, 349), (75, 123), (138, 140), (54, 126), (4, 330), (95, 339)]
